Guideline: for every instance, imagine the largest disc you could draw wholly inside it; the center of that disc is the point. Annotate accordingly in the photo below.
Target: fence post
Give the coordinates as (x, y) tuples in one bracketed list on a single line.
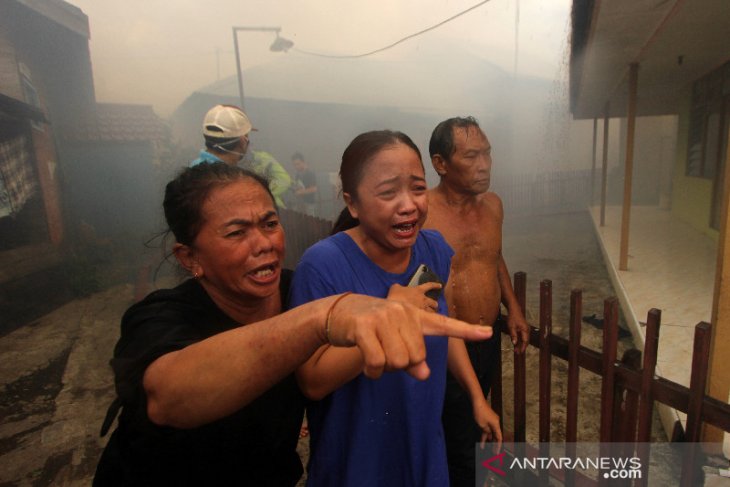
[(626, 403), (697, 387), (646, 405), (546, 328), (625, 413), (610, 337), (571, 423), (496, 389), (520, 400), (520, 418)]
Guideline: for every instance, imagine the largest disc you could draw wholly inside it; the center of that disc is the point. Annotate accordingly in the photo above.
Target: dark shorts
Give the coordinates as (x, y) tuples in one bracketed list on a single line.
[(460, 430)]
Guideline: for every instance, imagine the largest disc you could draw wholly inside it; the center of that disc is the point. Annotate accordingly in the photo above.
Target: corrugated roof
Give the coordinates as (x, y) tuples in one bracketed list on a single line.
[(119, 122)]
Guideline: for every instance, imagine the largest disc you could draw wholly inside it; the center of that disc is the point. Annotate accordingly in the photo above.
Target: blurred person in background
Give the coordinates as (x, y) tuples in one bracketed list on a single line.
[(305, 185), (203, 372), (226, 130), (469, 217)]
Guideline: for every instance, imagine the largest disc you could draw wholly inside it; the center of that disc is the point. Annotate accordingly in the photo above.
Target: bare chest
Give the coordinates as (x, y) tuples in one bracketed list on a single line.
[(476, 235)]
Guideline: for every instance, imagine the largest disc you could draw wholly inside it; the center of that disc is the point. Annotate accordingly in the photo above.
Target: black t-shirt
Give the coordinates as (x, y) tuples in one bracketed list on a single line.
[(254, 446)]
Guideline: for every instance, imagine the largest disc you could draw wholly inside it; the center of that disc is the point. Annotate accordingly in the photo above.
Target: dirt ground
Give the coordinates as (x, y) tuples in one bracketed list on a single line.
[(55, 382)]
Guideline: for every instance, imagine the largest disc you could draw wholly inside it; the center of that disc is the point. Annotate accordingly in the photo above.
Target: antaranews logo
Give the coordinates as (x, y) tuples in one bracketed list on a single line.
[(488, 463), (610, 467), (658, 463)]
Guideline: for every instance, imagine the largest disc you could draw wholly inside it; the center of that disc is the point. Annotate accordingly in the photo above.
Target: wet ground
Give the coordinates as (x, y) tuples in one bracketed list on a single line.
[(55, 382), (562, 249)]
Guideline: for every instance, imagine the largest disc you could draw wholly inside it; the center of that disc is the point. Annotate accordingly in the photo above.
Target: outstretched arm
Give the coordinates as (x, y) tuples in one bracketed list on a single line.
[(213, 378)]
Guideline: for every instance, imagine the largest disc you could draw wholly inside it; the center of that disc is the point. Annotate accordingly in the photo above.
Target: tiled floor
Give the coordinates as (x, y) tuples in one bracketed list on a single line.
[(671, 268)]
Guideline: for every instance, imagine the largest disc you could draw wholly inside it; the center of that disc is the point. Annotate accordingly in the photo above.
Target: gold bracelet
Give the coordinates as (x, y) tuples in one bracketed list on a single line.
[(328, 324)]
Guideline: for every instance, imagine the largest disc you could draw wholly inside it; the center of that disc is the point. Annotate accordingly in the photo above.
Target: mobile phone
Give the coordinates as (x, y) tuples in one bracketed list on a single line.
[(422, 275)]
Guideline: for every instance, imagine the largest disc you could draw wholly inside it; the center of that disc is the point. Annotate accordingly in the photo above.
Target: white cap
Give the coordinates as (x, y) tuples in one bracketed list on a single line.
[(226, 122)]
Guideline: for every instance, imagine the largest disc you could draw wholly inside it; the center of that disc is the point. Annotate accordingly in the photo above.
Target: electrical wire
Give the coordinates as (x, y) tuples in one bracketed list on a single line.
[(352, 56)]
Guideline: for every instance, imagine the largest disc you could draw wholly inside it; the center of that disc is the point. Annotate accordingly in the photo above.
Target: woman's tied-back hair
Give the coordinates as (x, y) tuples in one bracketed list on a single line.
[(186, 194), (357, 155)]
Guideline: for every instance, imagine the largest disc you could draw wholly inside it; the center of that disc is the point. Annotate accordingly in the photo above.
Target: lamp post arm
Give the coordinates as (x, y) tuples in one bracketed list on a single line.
[(238, 57), (238, 66)]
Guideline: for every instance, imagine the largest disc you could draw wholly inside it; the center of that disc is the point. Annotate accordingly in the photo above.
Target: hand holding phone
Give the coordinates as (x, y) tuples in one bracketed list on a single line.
[(423, 275)]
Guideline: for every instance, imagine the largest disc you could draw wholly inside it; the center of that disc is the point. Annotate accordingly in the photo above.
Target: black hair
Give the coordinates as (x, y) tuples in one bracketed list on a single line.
[(354, 160), (297, 155), (442, 137), (186, 194)]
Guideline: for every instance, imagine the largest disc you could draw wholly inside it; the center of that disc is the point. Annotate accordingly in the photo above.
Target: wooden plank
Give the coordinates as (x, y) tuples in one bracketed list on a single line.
[(630, 409), (610, 336), (571, 422), (617, 411), (646, 405), (626, 403), (546, 328), (719, 373), (520, 418), (623, 259), (571, 427), (608, 363), (604, 165), (545, 356), (627, 434), (651, 348), (593, 160), (496, 392), (697, 387)]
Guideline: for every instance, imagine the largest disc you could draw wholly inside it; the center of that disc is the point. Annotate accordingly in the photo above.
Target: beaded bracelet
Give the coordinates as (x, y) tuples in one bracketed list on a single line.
[(328, 324)]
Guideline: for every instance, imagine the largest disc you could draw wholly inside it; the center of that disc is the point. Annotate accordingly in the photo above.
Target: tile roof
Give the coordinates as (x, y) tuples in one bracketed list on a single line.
[(118, 122)]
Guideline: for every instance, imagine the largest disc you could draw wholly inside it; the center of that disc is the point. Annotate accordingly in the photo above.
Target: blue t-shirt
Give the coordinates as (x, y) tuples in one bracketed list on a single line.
[(384, 432), (205, 156)]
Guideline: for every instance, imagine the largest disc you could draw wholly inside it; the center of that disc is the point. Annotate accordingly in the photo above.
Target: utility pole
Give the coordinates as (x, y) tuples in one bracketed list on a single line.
[(217, 64)]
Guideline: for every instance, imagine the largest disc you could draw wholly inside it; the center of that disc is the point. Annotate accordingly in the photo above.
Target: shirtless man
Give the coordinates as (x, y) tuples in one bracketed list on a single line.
[(470, 218)]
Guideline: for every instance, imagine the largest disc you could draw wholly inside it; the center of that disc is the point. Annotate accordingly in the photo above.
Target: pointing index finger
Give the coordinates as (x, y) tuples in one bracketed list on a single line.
[(440, 325)]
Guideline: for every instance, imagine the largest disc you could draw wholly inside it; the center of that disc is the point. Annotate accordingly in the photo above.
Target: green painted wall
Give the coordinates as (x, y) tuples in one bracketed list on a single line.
[(691, 196)]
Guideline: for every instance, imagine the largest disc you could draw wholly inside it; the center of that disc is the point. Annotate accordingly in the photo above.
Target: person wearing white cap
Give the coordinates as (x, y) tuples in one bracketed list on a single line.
[(226, 129)]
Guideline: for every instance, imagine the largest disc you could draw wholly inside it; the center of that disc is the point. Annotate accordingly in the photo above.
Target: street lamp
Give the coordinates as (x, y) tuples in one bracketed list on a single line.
[(280, 44)]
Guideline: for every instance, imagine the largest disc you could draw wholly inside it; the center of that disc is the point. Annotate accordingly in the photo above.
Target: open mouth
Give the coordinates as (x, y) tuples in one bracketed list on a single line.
[(263, 273), (404, 228)]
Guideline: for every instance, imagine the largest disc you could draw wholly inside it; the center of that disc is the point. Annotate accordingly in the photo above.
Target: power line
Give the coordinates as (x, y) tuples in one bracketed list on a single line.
[(351, 56)]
